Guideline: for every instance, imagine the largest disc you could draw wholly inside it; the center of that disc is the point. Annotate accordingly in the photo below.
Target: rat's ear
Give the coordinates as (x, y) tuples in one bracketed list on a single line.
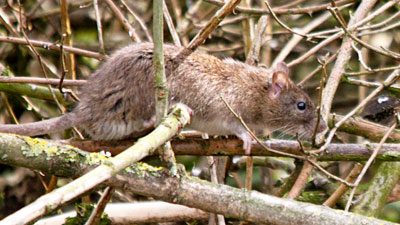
[(280, 78)]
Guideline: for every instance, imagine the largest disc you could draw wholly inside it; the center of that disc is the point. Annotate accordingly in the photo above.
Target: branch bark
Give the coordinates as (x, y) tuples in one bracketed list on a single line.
[(160, 184), (142, 148), (233, 146)]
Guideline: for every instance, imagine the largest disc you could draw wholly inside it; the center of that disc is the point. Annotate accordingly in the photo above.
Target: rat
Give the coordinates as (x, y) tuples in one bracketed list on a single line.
[(119, 98)]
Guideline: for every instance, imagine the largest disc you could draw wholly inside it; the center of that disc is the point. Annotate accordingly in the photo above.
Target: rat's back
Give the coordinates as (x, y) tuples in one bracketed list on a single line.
[(119, 100)]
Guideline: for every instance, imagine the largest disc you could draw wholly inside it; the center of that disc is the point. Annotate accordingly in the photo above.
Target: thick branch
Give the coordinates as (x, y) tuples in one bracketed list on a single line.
[(160, 184), (142, 148), (232, 202), (379, 188), (233, 146)]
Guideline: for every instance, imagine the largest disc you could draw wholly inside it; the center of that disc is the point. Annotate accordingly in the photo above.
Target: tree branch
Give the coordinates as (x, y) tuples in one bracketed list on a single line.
[(142, 148), (160, 184)]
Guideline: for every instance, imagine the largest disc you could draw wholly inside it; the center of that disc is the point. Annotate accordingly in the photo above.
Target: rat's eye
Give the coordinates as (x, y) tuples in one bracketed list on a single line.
[(301, 106)]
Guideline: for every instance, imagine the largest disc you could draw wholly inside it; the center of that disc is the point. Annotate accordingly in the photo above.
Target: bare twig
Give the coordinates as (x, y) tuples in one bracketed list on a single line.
[(254, 53), (296, 38), (214, 179), (99, 26), (281, 23), (125, 23), (212, 24), (363, 43), (247, 29), (51, 46), (249, 172), (66, 35), (41, 64), (348, 80), (38, 80), (301, 181), (160, 79), (101, 205), (170, 25), (305, 10), (372, 71), (331, 201), (316, 70), (360, 57), (139, 20)]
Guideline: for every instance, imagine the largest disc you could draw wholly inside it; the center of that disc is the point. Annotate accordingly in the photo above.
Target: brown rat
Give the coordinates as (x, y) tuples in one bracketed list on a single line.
[(118, 100)]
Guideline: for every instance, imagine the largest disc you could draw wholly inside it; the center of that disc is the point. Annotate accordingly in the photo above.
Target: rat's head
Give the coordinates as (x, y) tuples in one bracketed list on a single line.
[(292, 110)]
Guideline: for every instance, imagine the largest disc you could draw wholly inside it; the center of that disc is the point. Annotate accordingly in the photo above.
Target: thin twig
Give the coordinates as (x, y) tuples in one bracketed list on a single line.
[(247, 30), (95, 216), (372, 71), (358, 82), (125, 23), (10, 111), (99, 26), (360, 57), (39, 58), (170, 24), (139, 20), (331, 201), (296, 39), (314, 49), (301, 181), (254, 53), (281, 23), (38, 80), (305, 10), (316, 70), (363, 43), (201, 36), (249, 173), (51, 46), (212, 164), (66, 36)]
